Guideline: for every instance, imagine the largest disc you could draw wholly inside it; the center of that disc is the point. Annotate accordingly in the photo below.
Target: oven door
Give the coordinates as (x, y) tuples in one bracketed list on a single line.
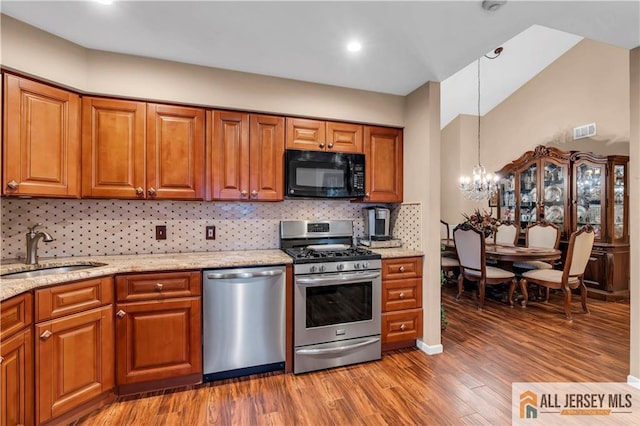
[(338, 306)]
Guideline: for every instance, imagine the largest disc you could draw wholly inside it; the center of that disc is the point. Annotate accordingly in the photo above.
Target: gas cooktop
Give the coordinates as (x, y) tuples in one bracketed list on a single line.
[(307, 255)]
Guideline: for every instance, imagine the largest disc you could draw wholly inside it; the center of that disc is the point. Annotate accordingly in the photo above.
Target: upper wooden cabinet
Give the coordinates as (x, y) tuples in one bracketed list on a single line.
[(317, 135), (41, 140), (175, 152), (113, 148), (383, 167), (137, 150), (247, 156)]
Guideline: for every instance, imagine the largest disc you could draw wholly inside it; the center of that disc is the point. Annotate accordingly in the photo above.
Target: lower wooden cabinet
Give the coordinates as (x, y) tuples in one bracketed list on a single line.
[(16, 361), (74, 349), (159, 335), (602, 279), (401, 302)]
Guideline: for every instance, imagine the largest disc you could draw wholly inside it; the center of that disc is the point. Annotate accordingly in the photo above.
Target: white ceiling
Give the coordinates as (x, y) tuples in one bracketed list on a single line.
[(405, 44)]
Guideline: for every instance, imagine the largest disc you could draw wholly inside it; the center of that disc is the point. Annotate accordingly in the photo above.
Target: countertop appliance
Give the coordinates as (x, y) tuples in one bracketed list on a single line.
[(319, 174), (377, 223), (243, 321), (337, 295)]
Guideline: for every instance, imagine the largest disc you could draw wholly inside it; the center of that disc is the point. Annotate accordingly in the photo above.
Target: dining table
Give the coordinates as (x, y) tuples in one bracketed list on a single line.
[(505, 255)]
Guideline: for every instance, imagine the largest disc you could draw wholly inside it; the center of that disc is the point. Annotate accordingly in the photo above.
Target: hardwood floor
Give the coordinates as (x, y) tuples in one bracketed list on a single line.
[(470, 383)]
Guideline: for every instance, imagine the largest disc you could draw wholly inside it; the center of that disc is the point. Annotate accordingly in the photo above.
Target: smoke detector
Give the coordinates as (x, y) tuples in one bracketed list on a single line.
[(492, 5)]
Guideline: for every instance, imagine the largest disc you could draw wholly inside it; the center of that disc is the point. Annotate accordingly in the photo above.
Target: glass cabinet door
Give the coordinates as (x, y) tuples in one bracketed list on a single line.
[(528, 195), (507, 189), (619, 196), (554, 193), (590, 187)]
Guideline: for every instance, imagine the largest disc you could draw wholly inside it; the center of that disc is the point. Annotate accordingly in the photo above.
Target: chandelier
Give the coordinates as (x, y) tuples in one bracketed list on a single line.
[(481, 185)]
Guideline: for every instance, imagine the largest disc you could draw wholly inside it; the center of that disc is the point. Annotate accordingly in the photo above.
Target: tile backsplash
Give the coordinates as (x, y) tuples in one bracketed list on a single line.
[(113, 227)]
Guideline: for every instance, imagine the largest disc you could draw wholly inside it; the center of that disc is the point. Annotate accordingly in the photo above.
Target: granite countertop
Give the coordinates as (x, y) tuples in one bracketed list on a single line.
[(389, 253), (111, 265)]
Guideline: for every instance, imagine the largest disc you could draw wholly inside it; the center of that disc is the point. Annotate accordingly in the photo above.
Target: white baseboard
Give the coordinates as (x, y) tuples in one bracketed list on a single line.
[(429, 349), (633, 381)]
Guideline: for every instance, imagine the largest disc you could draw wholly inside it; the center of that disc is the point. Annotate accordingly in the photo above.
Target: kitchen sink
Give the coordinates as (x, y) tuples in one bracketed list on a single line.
[(51, 270)]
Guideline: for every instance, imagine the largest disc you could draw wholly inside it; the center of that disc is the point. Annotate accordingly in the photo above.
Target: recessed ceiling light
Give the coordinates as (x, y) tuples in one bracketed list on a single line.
[(354, 46)]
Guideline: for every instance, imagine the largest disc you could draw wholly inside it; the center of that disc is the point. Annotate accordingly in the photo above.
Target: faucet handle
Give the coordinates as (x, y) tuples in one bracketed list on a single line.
[(33, 228)]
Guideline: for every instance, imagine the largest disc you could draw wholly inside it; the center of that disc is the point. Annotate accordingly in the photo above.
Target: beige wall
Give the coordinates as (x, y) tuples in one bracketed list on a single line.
[(31, 51), (422, 173), (634, 216), (589, 83)]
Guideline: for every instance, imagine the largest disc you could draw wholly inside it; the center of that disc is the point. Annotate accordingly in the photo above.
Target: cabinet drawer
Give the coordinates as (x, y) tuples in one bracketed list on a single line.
[(401, 294), (131, 288), (54, 302), (403, 325), (406, 267), (15, 314)]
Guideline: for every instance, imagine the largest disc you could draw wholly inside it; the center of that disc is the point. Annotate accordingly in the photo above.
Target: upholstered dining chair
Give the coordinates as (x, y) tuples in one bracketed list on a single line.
[(507, 233), (470, 247), (571, 276), (448, 263), (541, 235)]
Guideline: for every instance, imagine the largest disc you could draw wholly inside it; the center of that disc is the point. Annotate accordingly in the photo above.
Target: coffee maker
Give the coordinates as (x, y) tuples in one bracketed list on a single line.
[(377, 223)]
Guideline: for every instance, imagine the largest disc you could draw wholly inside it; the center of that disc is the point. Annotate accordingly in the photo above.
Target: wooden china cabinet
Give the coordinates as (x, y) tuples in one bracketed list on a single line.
[(572, 189)]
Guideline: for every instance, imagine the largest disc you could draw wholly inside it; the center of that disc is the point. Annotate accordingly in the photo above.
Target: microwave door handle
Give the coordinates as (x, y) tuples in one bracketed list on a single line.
[(338, 279)]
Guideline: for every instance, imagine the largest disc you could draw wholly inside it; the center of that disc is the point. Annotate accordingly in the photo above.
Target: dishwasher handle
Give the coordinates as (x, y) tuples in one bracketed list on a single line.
[(234, 275)]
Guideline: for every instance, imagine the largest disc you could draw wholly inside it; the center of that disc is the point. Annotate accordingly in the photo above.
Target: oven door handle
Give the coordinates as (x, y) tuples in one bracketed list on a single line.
[(339, 279), (338, 349), (232, 275)]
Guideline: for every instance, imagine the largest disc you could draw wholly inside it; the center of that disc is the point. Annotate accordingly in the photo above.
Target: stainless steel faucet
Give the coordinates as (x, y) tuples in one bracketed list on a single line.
[(32, 243)]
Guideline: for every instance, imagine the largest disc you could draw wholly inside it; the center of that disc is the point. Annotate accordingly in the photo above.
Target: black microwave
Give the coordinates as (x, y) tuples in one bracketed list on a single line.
[(319, 174)]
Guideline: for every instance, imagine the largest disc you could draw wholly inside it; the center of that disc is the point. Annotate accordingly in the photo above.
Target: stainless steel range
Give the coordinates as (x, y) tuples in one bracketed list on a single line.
[(337, 292)]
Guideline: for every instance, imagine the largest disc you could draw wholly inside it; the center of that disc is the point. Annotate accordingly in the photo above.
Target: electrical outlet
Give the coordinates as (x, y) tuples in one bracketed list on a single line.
[(210, 233), (161, 232)]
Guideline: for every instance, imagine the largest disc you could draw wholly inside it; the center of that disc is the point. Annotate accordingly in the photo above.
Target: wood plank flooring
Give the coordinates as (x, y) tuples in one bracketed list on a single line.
[(470, 383)]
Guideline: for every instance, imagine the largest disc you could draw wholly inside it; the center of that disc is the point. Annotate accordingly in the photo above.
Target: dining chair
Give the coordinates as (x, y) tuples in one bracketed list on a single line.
[(448, 263), (571, 276), (506, 233), (542, 235), (470, 247)]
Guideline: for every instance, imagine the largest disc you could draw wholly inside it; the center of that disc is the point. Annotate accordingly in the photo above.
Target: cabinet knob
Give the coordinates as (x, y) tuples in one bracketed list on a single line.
[(402, 327), (243, 192), (254, 193), (151, 191), (330, 145), (159, 286), (1, 359), (402, 269), (401, 295), (121, 313), (321, 144), (139, 191), (367, 195), (46, 335), (13, 184)]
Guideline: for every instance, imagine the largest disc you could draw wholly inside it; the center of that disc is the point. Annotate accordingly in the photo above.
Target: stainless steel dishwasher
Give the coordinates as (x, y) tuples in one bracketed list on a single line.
[(243, 321)]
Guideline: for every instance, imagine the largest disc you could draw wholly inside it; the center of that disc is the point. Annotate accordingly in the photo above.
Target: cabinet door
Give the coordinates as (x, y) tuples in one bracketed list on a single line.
[(158, 340), (527, 194), (230, 160), (507, 207), (113, 148), (344, 137), (41, 140), (267, 152), (175, 152), (383, 167), (554, 192), (618, 218), (74, 361), (16, 379), (590, 197), (307, 135)]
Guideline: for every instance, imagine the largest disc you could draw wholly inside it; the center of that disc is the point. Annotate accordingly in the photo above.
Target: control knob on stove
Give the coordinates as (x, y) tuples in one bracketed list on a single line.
[(356, 265), (321, 268), (365, 265), (340, 267), (312, 269)]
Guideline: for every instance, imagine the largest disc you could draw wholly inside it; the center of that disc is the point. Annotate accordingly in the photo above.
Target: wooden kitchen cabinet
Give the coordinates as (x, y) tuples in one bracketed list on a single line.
[(74, 349), (16, 361), (247, 157), (401, 302), (142, 151), (318, 135), (41, 140), (158, 330), (383, 165)]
